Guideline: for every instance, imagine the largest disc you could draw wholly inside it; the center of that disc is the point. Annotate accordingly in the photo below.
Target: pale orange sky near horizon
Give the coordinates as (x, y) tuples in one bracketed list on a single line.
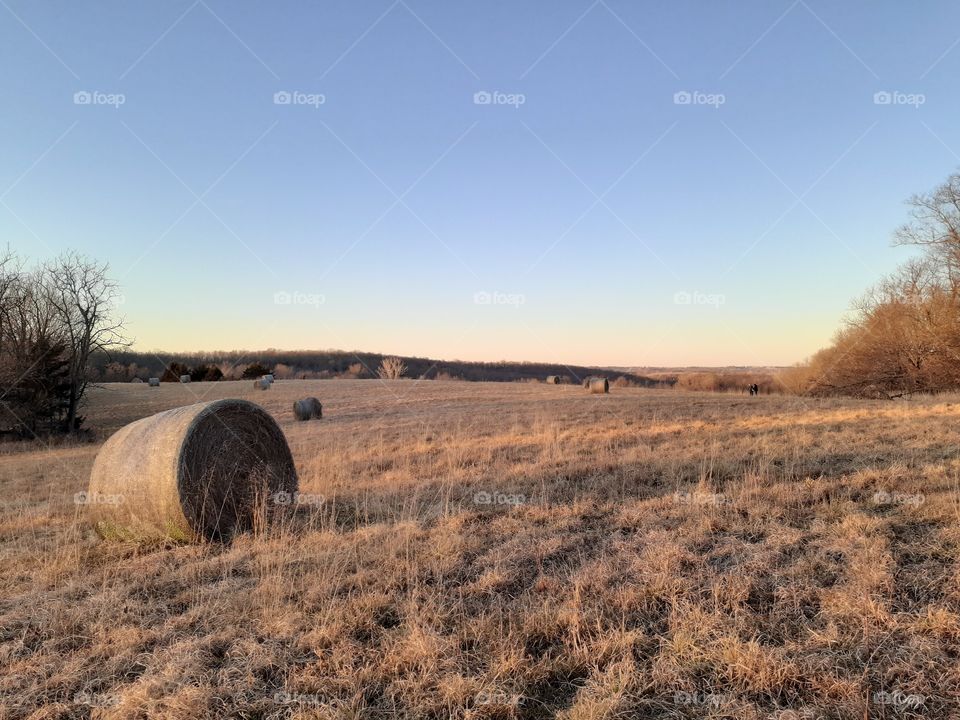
[(703, 341)]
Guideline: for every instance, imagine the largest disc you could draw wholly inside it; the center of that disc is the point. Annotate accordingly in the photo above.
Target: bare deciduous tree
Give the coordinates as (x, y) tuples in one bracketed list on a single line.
[(391, 368), (935, 225), (32, 353), (85, 300), (904, 334)]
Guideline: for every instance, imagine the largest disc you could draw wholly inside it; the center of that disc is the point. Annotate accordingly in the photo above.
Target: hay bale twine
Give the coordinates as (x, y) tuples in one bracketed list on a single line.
[(201, 472), (184, 379), (553, 379), (154, 382), (599, 386), (268, 378), (261, 384), (307, 409)]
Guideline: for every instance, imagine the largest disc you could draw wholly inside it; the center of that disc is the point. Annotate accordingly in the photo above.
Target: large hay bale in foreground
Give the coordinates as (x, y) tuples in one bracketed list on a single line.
[(598, 386), (184, 379), (204, 471), (307, 409), (553, 379), (261, 384), (154, 382)]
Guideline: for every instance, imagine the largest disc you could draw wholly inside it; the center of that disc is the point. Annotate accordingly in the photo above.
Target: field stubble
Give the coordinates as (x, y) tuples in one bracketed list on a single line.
[(485, 550)]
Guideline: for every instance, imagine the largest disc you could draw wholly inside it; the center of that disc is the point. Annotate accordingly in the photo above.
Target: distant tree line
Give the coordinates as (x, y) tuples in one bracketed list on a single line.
[(53, 319), (124, 365), (903, 335), (200, 373)]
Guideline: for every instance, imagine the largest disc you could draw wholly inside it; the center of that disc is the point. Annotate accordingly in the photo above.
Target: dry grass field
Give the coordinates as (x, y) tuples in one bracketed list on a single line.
[(475, 550)]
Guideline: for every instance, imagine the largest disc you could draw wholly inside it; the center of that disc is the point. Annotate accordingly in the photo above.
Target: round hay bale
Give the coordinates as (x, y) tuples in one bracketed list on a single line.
[(154, 382), (261, 384), (599, 386), (553, 379), (184, 379), (268, 378), (136, 381), (201, 472), (307, 409)]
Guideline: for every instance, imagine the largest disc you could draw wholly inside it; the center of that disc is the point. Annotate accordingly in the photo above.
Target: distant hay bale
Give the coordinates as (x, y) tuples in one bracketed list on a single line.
[(154, 382), (553, 379), (307, 409), (599, 386), (184, 379), (202, 472), (261, 384), (268, 378), (136, 381)]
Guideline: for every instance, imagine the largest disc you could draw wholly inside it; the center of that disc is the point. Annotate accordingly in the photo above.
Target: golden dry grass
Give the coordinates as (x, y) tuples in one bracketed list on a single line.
[(647, 554)]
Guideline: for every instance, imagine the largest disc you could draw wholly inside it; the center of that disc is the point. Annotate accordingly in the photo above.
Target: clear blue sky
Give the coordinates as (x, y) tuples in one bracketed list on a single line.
[(589, 214)]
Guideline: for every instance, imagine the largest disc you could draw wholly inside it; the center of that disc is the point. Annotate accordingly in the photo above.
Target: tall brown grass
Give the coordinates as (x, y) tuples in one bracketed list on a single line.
[(515, 551)]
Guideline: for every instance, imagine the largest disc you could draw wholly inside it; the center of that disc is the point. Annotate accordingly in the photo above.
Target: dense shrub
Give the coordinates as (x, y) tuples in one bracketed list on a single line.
[(255, 371), (173, 371)]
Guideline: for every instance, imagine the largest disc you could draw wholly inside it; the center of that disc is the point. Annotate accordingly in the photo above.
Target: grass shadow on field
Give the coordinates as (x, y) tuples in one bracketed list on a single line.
[(678, 557)]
